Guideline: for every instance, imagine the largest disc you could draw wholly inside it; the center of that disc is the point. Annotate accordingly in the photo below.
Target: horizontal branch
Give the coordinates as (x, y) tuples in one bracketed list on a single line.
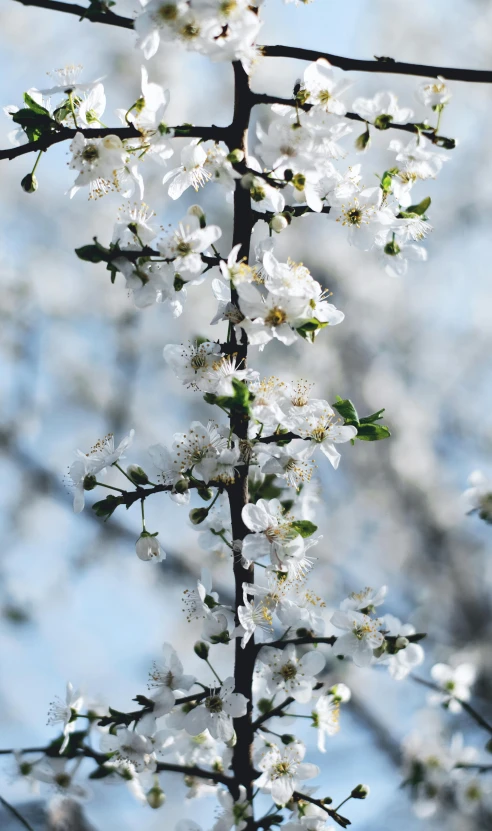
[(195, 771), (68, 133), (8, 750), (410, 127), (383, 65), (331, 641), (82, 12), (464, 704)]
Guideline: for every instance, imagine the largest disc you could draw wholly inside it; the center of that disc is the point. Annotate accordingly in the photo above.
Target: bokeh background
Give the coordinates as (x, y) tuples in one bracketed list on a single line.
[(78, 361)]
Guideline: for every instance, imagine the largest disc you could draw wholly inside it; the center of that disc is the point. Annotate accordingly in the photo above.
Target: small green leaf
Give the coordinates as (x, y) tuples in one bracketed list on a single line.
[(372, 432), (90, 254), (309, 329), (34, 106), (304, 527), (105, 507), (370, 419), (347, 410), (419, 209)]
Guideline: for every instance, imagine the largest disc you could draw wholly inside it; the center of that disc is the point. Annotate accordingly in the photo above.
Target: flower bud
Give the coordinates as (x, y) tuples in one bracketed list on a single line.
[(204, 493), (287, 738), (90, 482), (360, 792), (327, 800), (341, 693), (401, 642), (29, 183), (137, 475), (197, 515), (148, 548), (232, 741), (278, 223), (201, 649), (264, 705), (197, 210), (288, 175), (363, 141), (156, 797), (235, 156), (182, 485)]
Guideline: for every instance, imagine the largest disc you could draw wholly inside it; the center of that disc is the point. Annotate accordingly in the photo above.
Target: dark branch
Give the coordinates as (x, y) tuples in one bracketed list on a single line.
[(82, 12), (387, 66), (277, 711), (67, 133), (302, 797), (410, 127), (465, 705), (298, 642)]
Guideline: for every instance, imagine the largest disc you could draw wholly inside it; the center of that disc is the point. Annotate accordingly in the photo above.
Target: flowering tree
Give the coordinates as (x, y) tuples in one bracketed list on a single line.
[(252, 467)]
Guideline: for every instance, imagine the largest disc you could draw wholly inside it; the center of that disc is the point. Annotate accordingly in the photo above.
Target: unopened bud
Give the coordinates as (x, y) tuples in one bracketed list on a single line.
[(156, 797), (327, 800), (148, 548), (278, 223), (340, 692), (90, 482), (288, 175), (29, 183), (360, 792), (363, 141), (383, 121), (137, 475), (204, 493), (401, 642), (232, 741), (179, 282), (264, 705), (197, 210), (197, 515), (235, 156), (202, 650), (302, 632), (287, 738), (182, 485)]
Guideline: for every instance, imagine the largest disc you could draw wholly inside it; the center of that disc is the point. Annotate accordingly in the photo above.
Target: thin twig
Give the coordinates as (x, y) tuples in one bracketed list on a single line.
[(16, 814), (465, 705)]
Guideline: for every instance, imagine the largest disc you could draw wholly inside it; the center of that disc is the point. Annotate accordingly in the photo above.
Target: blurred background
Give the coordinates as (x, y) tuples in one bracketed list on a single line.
[(78, 361)]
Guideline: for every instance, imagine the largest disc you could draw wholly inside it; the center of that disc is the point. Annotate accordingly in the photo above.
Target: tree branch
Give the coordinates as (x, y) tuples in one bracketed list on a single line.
[(277, 711), (383, 65), (410, 127), (464, 704), (68, 133), (302, 797), (298, 642), (16, 814), (82, 12)]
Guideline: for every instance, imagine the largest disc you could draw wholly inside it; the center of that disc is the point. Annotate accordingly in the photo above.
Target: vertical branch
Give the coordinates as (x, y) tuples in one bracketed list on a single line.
[(238, 492)]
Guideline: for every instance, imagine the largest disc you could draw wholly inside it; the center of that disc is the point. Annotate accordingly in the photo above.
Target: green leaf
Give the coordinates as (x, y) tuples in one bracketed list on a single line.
[(309, 328), (347, 410), (419, 209), (90, 254), (105, 507), (304, 527), (371, 418), (34, 106), (372, 432)]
